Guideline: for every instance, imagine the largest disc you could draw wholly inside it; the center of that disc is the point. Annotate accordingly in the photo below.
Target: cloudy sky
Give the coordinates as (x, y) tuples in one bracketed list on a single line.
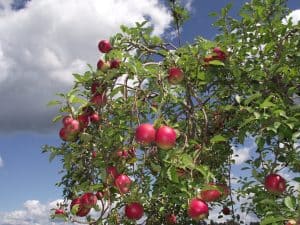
[(42, 42)]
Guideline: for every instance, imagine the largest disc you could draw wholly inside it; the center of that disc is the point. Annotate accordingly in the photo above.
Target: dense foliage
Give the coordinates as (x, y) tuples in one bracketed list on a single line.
[(212, 95)]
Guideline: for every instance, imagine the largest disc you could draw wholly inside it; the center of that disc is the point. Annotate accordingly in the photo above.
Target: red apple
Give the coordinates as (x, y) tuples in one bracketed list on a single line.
[(145, 134), (99, 99), (104, 46), (219, 54), (66, 120), (62, 134), (112, 171), (165, 137), (94, 154), (226, 211), (72, 127), (95, 117), (102, 65), (214, 192), (88, 200), (134, 211), (274, 183), (197, 209), (77, 209), (175, 75), (171, 219), (70, 131), (123, 182), (83, 121), (115, 63), (210, 195)]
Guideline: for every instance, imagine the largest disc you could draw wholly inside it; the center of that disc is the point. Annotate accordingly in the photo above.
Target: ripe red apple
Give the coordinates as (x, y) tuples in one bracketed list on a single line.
[(112, 171), (275, 183), (134, 211), (99, 99), (115, 63), (214, 192), (197, 209), (210, 195), (62, 134), (145, 134), (123, 182), (83, 121), (165, 137), (104, 46), (226, 211), (171, 219), (175, 75), (66, 120), (95, 118), (219, 54), (94, 154), (72, 127), (103, 65), (77, 209), (88, 200)]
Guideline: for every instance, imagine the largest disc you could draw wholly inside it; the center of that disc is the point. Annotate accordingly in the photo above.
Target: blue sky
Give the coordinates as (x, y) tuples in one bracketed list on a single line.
[(38, 54)]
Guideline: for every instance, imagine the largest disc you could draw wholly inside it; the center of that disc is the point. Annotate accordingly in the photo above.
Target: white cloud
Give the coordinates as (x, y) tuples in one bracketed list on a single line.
[(295, 16), (240, 155), (1, 162), (43, 44), (33, 213)]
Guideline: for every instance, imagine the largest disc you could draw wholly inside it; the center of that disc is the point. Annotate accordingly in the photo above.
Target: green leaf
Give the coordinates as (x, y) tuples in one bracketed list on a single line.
[(172, 174), (52, 156), (54, 102), (296, 179), (251, 98), (290, 202), (271, 220), (187, 160), (218, 138), (57, 118), (266, 104), (216, 63)]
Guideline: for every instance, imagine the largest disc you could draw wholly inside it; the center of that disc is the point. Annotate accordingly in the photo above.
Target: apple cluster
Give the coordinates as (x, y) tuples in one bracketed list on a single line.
[(104, 46), (82, 205), (164, 137), (73, 126)]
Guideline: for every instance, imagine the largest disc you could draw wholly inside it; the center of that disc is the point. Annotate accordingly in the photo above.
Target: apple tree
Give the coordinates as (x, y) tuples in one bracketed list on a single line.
[(148, 135)]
